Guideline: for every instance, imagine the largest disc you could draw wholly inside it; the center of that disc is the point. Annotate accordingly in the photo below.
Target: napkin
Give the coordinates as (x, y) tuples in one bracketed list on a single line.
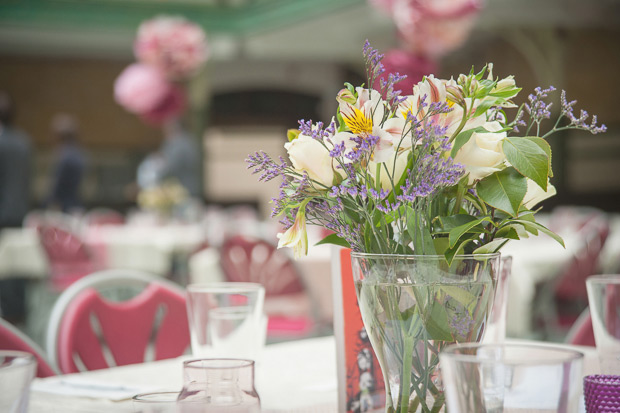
[(80, 387)]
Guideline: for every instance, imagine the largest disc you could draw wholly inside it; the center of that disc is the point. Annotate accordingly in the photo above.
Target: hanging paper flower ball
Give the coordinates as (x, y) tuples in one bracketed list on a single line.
[(145, 91), (405, 63), (174, 45)]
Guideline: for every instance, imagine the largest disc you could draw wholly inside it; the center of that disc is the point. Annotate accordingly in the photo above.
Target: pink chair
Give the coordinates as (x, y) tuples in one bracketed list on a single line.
[(13, 339), (69, 258), (287, 303), (88, 331), (582, 333), (103, 216)]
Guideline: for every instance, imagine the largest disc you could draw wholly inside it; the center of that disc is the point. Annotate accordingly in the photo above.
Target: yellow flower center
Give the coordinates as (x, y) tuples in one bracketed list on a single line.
[(358, 122)]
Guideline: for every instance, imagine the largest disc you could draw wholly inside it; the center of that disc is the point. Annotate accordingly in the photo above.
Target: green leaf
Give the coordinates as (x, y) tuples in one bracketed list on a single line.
[(503, 190), (335, 240), (506, 93), (441, 245), (420, 234), (292, 134), (535, 225), (462, 138), (459, 294), (484, 106), (458, 232), (507, 232), (454, 221), (544, 145), (436, 322), (528, 158), (491, 247)]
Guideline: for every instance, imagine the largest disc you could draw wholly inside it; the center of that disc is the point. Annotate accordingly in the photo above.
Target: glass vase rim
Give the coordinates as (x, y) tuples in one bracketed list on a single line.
[(423, 256), (603, 279), (224, 286), (571, 354), (235, 363), (16, 354), (143, 398)]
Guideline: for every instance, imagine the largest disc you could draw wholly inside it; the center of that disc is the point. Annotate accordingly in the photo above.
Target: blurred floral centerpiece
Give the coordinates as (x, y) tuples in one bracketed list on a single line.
[(170, 51), (425, 187), (163, 198)]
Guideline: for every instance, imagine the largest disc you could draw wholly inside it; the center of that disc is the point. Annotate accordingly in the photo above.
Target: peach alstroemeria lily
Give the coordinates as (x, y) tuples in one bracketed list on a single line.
[(364, 118), (296, 236)]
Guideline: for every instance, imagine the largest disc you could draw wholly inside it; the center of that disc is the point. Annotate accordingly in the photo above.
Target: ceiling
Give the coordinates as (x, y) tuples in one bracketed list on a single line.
[(308, 29)]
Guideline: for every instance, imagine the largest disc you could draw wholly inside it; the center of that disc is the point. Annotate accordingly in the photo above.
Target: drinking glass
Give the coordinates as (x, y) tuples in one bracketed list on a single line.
[(495, 331), (604, 300), (156, 402), (226, 319), (218, 385), (17, 369), (506, 378)]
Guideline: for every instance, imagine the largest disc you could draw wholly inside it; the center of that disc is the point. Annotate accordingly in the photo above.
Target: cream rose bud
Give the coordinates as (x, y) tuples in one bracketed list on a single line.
[(483, 154), (309, 155), (536, 194)]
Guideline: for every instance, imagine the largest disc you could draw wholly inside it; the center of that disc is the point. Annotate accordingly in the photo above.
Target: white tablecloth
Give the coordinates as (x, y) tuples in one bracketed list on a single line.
[(297, 376), (147, 248), (292, 377)]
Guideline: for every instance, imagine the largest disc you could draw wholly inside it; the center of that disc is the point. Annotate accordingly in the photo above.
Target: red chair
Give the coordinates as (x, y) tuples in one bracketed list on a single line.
[(287, 303), (88, 331), (69, 258), (582, 333), (13, 339)]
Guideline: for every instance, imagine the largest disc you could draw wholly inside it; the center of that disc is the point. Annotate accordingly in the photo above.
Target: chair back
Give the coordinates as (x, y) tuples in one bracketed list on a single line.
[(103, 216), (88, 331), (13, 339), (69, 258), (582, 332), (246, 259)]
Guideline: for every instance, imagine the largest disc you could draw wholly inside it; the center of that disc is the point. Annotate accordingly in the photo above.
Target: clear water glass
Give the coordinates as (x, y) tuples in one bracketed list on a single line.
[(496, 378), (226, 319), (17, 369), (218, 385), (604, 300), (156, 402)]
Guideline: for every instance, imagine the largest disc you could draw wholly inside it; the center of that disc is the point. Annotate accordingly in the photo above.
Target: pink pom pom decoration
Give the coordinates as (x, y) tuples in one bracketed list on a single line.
[(174, 45), (415, 67), (144, 90)]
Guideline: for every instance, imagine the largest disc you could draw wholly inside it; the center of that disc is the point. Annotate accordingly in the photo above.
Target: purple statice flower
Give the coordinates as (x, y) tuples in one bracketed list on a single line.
[(518, 121), (538, 109), (378, 196), (316, 130), (372, 59), (388, 207), (579, 122), (461, 322), (267, 167), (338, 150)]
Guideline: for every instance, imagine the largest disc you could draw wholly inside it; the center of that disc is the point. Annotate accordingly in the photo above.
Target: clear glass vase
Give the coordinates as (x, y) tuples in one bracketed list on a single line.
[(218, 385), (415, 305)]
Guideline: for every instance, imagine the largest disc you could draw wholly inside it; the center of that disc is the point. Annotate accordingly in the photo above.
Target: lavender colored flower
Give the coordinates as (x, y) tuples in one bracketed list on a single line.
[(538, 109), (581, 121), (262, 163)]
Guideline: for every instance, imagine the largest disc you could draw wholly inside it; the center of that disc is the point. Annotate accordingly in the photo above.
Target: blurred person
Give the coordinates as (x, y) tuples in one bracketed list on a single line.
[(69, 166), (181, 157), (150, 171), (15, 163)]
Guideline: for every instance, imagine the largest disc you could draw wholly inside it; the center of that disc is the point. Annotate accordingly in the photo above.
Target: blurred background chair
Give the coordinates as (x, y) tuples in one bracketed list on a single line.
[(68, 256), (13, 339), (582, 332), (117, 317), (288, 304), (560, 302)]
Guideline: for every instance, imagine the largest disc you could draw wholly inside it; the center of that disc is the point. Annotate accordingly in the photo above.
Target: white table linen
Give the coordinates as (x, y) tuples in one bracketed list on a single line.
[(298, 376)]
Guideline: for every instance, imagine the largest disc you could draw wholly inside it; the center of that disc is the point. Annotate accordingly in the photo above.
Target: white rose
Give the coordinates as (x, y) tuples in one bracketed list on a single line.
[(536, 194), (396, 163), (483, 154), (309, 155)]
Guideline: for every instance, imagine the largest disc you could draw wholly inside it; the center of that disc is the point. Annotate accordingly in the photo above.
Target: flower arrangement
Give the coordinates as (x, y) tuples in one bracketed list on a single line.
[(170, 50), (440, 170), (163, 197)]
